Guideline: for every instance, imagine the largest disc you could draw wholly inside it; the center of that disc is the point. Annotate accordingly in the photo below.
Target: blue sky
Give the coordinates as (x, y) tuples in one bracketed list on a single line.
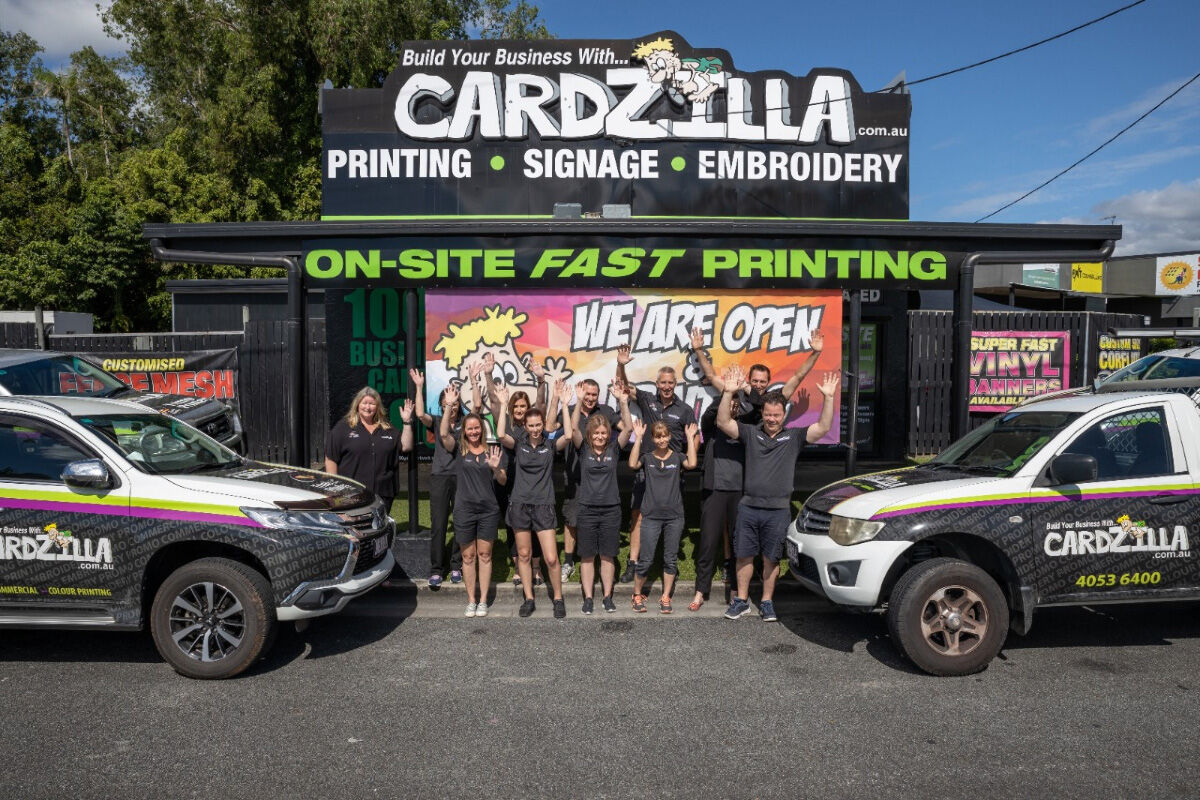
[(978, 139)]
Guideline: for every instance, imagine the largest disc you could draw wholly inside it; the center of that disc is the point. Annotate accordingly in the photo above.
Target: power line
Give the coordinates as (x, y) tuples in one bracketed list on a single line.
[(1026, 47), (1111, 139), (665, 125)]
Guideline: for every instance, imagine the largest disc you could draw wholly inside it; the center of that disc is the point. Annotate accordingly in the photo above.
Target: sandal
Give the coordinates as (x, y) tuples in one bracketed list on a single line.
[(639, 603), (664, 605), (695, 605)]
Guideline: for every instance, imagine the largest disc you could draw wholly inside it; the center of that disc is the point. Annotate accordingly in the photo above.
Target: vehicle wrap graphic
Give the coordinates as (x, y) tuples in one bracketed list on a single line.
[(1053, 539), (149, 508), (289, 558)]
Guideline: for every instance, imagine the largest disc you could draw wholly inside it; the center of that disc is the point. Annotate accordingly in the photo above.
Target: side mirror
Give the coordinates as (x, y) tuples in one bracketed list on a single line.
[(88, 474), (1073, 468)]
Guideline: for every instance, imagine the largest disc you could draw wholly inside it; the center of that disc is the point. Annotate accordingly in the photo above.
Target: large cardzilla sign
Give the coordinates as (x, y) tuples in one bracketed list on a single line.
[(511, 128)]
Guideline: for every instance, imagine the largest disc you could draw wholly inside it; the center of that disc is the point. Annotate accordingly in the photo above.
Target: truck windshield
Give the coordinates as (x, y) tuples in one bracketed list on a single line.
[(161, 445), (1156, 367), (60, 375), (1003, 445)]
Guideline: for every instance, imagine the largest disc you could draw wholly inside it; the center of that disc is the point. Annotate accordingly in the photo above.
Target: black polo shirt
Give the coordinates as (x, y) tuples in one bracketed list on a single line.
[(531, 478), (770, 465), (598, 475), (475, 489), (663, 498), (571, 454), (369, 458), (723, 457), (677, 415), (443, 459)]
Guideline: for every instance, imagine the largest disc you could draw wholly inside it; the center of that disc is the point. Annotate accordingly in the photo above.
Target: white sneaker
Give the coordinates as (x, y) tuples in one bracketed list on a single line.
[(481, 609), (473, 610)]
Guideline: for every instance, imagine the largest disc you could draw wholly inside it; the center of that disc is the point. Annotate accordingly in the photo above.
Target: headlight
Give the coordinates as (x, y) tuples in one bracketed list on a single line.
[(846, 531), (324, 521)]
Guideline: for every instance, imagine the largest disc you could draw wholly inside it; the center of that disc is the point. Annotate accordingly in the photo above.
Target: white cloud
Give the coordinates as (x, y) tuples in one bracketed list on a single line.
[(1162, 220), (59, 26)]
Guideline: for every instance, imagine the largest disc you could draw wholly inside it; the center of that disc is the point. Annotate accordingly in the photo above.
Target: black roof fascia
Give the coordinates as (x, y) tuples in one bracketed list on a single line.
[(287, 238)]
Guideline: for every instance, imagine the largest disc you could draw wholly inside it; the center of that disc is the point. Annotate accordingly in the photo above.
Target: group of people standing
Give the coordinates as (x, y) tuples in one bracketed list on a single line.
[(749, 464)]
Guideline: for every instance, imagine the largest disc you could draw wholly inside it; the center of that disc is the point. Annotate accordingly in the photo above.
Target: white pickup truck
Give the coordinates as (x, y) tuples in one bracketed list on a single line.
[(1066, 501)]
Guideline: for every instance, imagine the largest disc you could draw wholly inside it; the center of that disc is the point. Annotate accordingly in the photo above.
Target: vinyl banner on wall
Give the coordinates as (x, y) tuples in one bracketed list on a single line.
[(486, 127), (203, 373), (575, 335), (1010, 366), (1177, 275)]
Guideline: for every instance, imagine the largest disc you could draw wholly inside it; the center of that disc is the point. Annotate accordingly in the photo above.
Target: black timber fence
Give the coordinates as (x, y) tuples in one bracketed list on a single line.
[(930, 362), (264, 372)]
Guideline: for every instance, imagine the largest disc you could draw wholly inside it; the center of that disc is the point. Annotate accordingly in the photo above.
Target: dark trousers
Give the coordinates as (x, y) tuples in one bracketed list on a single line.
[(441, 497), (718, 512)]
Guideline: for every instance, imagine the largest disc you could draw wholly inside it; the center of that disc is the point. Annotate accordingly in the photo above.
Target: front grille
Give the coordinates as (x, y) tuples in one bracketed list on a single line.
[(363, 522), (219, 428), (814, 522), (808, 569), (366, 554)]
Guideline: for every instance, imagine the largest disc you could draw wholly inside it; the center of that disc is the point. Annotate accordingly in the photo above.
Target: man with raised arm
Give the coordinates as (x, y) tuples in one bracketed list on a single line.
[(759, 375), (662, 405), (765, 510)]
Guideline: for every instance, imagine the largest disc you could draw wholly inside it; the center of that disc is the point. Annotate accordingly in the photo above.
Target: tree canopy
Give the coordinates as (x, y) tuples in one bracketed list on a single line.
[(212, 116)]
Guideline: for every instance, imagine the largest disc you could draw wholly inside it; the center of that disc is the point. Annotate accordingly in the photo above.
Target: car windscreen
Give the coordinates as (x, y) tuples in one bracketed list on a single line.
[(162, 445), (60, 375), (1003, 445), (1156, 368)]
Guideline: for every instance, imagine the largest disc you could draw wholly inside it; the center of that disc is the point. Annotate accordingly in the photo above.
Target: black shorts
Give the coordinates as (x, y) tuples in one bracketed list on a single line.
[(760, 531), (570, 506), (470, 525), (598, 532), (639, 489), (530, 517)]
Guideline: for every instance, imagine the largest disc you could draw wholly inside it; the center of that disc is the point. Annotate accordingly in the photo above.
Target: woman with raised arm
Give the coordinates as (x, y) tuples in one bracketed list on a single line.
[(662, 504), (477, 470), (441, 474), (364, 447), (531, 502), (598, 532)]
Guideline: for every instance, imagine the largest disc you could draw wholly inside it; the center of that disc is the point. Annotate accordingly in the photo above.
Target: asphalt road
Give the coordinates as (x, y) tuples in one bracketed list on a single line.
[(392, 699)]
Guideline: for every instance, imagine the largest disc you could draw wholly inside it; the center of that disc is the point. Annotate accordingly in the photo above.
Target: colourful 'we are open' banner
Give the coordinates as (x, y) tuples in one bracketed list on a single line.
[(1010, 366), (575, 335)]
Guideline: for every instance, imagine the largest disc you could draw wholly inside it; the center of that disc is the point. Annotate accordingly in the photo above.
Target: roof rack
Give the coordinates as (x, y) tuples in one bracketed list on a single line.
[(1188, 386)]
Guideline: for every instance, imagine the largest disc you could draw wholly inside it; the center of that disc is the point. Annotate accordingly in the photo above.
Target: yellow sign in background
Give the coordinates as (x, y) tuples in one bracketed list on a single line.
[(1087, 277)]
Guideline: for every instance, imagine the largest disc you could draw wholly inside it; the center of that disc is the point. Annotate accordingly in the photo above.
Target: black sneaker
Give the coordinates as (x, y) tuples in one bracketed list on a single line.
[(526, 609), (609, 605), (560, 609), (627, 575), (587, 605)]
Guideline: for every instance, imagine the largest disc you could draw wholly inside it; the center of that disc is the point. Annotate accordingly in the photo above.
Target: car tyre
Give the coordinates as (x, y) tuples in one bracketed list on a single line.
[(949, 617), (213, 618)]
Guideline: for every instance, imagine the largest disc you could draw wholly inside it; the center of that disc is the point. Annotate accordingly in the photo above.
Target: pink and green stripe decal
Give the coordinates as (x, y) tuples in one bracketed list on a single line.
[(145, 508), (1038, 496)]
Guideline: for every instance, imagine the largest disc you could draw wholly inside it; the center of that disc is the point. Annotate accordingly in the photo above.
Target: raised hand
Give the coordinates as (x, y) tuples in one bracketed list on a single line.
[(690, 431), (817, 341), (619, 390), (474, 368), (537, 369), (639, 428), (452, 396), (830, 383), (734, 378), (697, 339), (406, 411), (502, 394), (416, 377), (493, 456), (624, 356), (564, 392), (489, 362)]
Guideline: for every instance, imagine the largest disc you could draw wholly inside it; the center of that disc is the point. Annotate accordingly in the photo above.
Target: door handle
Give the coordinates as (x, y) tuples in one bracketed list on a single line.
[(1168, 499)]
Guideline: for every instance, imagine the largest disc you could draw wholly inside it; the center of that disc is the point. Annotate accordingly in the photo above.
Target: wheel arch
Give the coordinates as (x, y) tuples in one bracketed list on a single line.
[(173, 556), (968, 547)]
